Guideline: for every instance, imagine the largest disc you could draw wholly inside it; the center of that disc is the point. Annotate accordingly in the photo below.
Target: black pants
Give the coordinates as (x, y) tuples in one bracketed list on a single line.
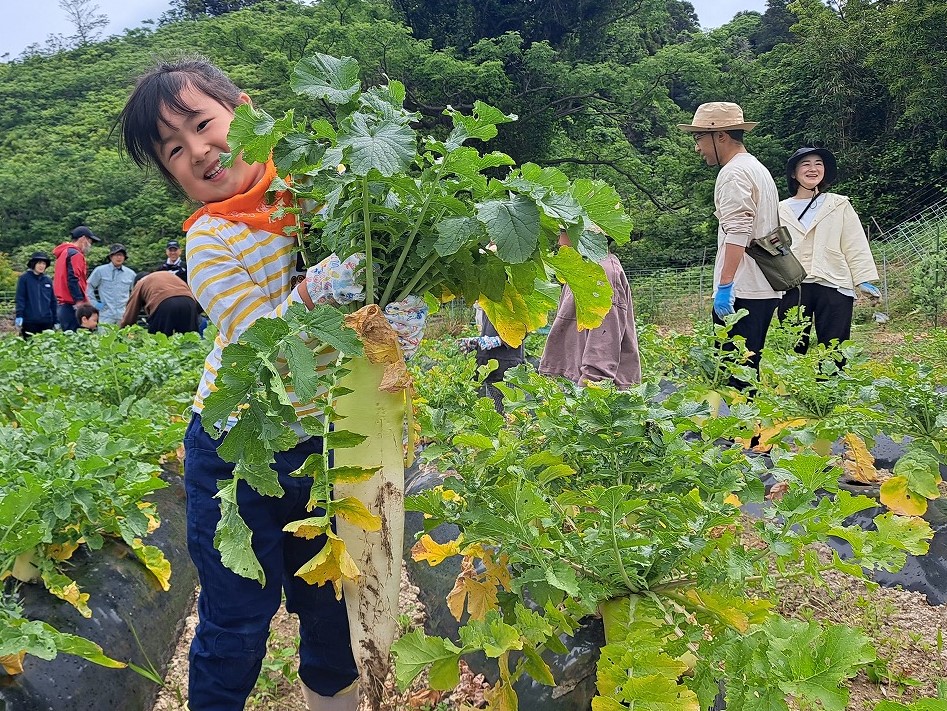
[(176, 314), (30, 327), (829, 311), (753, 328)]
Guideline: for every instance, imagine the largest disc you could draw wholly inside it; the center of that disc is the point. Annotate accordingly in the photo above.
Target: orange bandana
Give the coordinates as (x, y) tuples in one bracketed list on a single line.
[(251, 207)]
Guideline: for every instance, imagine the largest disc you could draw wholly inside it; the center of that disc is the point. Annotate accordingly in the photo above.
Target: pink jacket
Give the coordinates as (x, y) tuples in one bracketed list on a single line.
[(609, 352)]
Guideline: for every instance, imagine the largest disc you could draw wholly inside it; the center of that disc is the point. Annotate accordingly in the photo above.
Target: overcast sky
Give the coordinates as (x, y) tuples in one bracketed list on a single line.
[(27, 21)]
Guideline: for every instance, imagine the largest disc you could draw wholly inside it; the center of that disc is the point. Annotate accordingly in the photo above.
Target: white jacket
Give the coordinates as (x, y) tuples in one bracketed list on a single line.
[(834, 250)]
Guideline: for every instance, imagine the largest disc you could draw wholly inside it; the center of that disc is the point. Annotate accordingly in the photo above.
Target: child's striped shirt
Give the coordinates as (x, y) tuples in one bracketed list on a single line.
[(238, 275)]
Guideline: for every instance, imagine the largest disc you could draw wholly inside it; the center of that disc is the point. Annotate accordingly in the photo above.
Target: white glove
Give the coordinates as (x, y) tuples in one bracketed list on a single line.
[(333, 281), (408, 318)]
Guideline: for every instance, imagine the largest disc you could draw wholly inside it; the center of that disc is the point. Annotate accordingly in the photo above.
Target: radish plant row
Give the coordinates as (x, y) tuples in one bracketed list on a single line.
[(84, 422)]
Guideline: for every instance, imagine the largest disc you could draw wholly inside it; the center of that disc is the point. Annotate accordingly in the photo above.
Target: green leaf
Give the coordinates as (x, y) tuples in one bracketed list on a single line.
[(811, 663), (297, 153), (513, 225), (921, 705), (343, 439), (327, 78), (325, 324), (537, 668), (232, 537), (454, 233), (904, 532), (590, 286), (922, 471), (482, 124), (492, 635), (415, 651), (254, 133), (386, 146), (603, 205), (301, 363), (474, 439)]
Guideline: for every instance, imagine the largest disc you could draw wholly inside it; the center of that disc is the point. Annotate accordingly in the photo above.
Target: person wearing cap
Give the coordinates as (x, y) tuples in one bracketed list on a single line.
[(829, 241), (174, 263), (70, 282), (746, 202), (110, 285), (167, 302), (35, 303)]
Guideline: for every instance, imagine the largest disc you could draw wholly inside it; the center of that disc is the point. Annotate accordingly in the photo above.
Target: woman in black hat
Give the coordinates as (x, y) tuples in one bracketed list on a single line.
[(830, 243), (35, 303)]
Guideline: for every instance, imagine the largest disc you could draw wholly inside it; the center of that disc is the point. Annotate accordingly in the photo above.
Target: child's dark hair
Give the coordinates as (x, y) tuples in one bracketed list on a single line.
[(159, 88), (85, 311)]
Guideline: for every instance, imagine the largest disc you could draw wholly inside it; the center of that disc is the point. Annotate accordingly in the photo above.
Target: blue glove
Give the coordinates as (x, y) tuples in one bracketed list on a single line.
[(723, 300), (19, 321), (870, 289), (98, 305)]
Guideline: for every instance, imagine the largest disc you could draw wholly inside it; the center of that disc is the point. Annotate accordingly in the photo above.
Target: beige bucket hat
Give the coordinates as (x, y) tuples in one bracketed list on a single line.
[(718, 116)]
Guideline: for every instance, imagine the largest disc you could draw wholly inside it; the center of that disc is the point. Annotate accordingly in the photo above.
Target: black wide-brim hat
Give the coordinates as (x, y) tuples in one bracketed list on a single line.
[(828, 159), (38, 257)]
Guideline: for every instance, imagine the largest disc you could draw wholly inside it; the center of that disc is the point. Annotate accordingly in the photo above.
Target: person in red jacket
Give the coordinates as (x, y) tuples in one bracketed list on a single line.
[(70, 279)]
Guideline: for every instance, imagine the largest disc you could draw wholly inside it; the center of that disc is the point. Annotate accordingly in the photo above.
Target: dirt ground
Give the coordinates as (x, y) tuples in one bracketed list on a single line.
[(278, 690), (907, 633)]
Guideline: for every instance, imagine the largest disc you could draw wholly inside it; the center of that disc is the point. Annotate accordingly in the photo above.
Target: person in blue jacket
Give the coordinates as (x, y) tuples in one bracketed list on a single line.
[(35, 303)]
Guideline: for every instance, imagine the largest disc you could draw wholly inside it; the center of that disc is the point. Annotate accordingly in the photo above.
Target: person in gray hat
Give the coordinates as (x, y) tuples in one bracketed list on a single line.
[(35, 303), (111, 284), (829, 241), (746, 202)]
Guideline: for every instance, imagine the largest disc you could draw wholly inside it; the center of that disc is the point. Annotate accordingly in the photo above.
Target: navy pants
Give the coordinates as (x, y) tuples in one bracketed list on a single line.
[(66, 315), (234, 612), (753, 328)]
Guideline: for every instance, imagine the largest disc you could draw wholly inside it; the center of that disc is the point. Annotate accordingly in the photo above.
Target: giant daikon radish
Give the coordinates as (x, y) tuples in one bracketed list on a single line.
[(376, 408)]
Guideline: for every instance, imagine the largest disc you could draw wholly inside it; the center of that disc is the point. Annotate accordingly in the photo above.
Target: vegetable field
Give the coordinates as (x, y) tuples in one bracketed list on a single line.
[(692, 526)]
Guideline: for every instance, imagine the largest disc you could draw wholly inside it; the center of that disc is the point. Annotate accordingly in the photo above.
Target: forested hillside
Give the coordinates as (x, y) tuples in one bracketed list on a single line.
[(598, 85)]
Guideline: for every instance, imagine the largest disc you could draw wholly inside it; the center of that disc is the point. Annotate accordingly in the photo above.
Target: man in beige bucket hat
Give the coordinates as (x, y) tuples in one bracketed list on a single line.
[(746, 202)]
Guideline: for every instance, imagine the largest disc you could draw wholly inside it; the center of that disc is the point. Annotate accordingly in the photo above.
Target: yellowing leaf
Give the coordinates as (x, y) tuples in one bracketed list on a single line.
[(516, 315), (589, 284), (501, 697), (62, 551), (859, 463), (433, 552), (733, 500), (499, 570), (451, 495), (71, 594), (155, 561), (331, 564), (356, 513), (479, 595), (897, 497), (13, 663), (381, 346), (308, 527), (738, 613)]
